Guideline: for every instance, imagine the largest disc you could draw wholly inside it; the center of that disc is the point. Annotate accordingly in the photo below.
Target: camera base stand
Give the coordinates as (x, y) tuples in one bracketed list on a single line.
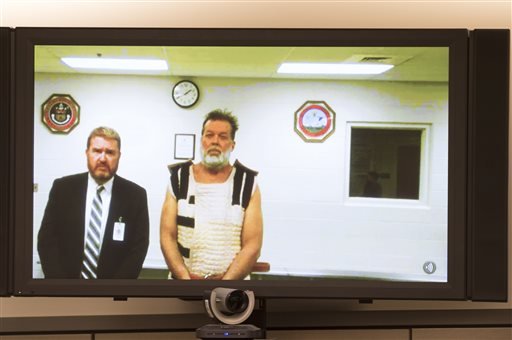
[(221, 331)]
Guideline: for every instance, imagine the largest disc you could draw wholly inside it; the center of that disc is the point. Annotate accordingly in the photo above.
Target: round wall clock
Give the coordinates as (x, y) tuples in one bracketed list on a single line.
[(185, 93)]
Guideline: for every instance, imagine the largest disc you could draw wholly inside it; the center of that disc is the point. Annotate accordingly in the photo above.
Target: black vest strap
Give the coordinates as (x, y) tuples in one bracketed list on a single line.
[(246, 197), (175, 182), (185, 221), (179, 179), (185, 172), (246, 192), (185, 252), (237, 186)]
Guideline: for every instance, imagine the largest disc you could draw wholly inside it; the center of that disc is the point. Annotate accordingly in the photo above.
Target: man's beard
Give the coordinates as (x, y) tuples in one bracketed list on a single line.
[(215, 162)]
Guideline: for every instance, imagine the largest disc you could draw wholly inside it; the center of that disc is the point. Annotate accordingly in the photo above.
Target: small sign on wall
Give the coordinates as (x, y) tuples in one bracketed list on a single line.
[(314, 121), (184, 146), (60, 113)]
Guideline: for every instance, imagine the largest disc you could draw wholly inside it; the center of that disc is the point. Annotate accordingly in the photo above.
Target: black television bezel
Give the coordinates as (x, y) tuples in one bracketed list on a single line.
[(489, 89), (5, 154), (456, 39)]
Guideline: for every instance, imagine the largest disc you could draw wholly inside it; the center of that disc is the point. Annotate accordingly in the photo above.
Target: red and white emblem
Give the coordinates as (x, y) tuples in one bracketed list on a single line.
[(314, 121), (60, 113)]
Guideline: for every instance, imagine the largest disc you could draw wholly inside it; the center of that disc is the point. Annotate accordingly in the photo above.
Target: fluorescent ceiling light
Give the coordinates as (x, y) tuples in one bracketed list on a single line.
[(333, 68), (116, 64)]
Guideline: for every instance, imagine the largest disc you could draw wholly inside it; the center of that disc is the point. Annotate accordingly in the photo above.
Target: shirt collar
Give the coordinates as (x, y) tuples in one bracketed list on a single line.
[(107, 185)]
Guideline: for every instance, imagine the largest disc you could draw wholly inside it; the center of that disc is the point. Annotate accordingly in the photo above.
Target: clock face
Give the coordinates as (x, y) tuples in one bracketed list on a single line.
[(185, 93)]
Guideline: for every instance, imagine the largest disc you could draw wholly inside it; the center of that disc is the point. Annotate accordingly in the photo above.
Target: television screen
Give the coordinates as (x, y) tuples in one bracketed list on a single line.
[(354, 144)]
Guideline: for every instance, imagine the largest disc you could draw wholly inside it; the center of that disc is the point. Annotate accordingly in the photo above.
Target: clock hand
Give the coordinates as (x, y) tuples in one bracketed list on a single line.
[(183, 94)]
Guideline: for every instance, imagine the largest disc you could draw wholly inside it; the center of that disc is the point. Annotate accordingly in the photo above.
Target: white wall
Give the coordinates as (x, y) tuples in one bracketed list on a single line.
[(327, 14)]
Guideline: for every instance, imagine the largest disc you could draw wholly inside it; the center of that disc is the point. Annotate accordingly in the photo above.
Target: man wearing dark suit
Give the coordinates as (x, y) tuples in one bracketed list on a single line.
[(98, 197)]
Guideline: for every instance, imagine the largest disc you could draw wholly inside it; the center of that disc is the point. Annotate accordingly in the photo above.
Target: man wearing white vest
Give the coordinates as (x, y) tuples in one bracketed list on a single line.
[(211, 225)]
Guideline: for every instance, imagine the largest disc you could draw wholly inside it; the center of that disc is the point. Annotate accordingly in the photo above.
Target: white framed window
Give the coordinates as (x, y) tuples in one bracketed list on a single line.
[(387, 162)]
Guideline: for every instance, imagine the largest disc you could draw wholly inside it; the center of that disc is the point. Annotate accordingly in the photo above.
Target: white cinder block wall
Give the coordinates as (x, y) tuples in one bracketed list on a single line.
[(311, 226)]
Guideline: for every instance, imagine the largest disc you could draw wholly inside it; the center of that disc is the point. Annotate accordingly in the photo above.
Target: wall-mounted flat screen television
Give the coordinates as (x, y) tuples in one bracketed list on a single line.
[(353, 148)]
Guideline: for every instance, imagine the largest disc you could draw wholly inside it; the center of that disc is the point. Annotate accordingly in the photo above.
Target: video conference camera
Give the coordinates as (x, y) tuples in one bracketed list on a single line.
[(230, 307)]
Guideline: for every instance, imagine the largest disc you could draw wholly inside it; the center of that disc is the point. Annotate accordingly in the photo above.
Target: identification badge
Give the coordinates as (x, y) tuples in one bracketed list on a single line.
[(118, 231)]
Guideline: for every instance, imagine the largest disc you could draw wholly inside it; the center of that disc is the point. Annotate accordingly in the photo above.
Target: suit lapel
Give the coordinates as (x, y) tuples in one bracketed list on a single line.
[(80, 197), (113, 212), (107, 252)]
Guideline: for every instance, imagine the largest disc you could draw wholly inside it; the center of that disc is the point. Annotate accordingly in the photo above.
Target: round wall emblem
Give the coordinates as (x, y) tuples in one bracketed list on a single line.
[(60, 113), (314, 121)]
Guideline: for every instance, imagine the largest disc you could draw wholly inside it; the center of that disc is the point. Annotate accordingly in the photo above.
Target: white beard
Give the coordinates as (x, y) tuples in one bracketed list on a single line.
[(215, 162)]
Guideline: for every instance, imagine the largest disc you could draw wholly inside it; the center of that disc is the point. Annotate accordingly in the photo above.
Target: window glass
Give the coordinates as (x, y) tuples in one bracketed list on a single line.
[(385, 162)]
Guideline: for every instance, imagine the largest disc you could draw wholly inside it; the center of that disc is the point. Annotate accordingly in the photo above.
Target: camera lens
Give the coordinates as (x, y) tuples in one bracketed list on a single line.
[(237, 301)]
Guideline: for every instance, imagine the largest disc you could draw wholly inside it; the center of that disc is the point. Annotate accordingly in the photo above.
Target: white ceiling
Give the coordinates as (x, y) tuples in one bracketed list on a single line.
[(428, 64)]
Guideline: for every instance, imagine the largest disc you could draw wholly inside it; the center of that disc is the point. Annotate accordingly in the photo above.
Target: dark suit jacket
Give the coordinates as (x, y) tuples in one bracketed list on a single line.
[(61, 237)]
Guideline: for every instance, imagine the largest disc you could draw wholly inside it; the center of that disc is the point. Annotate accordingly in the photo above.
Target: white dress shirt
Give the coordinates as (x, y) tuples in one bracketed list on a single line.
[(106, 195)]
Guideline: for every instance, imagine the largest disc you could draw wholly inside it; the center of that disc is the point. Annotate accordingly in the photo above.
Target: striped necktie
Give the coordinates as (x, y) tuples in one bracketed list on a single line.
[(93, 238)]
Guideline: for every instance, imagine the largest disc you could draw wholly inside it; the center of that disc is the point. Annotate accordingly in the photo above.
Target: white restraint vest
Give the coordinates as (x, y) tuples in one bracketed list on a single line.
[(210, 217)]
